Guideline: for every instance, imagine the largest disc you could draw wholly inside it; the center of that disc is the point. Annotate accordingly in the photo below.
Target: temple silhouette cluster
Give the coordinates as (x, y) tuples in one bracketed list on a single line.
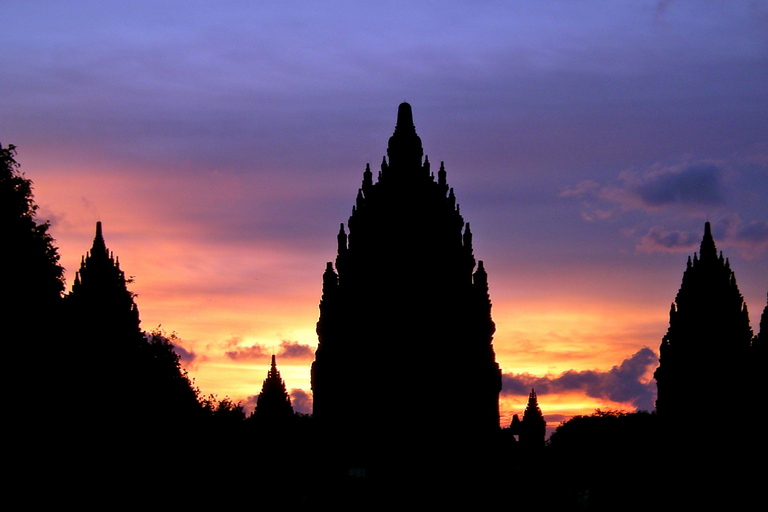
[(404, 302)]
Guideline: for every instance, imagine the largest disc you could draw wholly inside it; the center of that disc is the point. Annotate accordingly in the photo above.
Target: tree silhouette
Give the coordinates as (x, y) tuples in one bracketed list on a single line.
[(33, 276), (32, 284), (603, 459), (167, 393)]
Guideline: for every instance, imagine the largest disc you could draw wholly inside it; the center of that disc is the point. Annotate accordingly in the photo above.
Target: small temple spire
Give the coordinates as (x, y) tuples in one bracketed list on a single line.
[(441, 176), (533, 427), (367, 177), (467, 239), (342, 239), (273, 403)]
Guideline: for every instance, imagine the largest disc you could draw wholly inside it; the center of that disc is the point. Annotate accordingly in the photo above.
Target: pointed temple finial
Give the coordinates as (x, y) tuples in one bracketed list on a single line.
[(405, 119), (99, 246), (708, 250), (404, 148)]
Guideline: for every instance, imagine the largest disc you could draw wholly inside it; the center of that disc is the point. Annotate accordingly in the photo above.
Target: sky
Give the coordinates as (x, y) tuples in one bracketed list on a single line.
[(221, 144)]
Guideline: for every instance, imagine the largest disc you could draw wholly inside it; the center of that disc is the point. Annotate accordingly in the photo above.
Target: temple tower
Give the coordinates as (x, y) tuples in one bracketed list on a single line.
[(533, 428), (405, 357), (273, 402), (100, 292), (106, 345), (703, 364)]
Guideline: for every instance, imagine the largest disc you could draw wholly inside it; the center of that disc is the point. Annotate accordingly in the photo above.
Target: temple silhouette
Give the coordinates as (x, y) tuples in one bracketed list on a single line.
[(405, 304), (273, 402), (532, 429), (710, 382), (102, 311), (709, 336), (134, 378)]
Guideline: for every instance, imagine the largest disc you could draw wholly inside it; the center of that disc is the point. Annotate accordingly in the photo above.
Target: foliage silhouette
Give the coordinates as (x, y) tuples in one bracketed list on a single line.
[(605, 458), (32, 284), (33, 280), (34, 277)]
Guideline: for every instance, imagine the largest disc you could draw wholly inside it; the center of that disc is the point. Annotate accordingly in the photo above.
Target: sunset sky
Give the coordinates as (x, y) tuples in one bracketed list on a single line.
[(222, 143)]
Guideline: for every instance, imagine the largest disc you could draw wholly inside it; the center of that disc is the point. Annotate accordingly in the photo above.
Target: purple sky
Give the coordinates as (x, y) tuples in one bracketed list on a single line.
[(222, 143)]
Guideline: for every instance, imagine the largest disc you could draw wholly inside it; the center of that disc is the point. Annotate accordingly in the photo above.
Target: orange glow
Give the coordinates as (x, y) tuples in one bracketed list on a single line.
[(221, 295), (551, 338)]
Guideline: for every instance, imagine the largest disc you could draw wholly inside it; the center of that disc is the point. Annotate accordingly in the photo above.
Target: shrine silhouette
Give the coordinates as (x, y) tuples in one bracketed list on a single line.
[(405, 302)]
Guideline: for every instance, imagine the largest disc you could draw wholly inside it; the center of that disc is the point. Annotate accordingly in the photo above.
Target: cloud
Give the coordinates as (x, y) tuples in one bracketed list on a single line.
[(296, 350), (659, 240), (287, 350), (250, 403), (698, 187), (188, 357), (622, 383), (729, 231), (750, 238), (301, 401), (694, 185), (252, 352)]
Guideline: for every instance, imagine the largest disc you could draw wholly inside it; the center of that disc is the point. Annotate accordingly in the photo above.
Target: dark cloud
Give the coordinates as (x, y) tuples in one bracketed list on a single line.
[(296, 350), (690, 185), (622, 383), (187, 357), (287, 350), (751, 237), (301, 401), (249, 405), (659, 240), (697, 187), (252, 352), (729, 231)]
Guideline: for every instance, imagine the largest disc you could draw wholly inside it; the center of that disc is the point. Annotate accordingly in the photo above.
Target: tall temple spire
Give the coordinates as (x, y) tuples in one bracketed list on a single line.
[(709, 335), (404, 278), (100, 287), (110, 345)]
